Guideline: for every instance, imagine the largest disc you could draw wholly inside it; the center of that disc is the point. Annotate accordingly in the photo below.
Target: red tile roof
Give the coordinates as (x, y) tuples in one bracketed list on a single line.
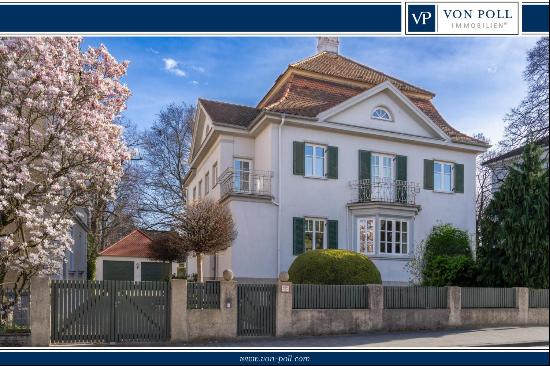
[(135, 244), (233, 114), (308, 94), (328, 63)]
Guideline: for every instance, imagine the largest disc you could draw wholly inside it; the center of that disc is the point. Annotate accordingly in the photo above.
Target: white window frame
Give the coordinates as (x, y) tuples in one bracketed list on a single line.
[(393, 231), (380, 118), (206, 183), (194, 193), (442, 177), (249, 171), (314, 158), (364, 221), (315, 231), (381, 164)]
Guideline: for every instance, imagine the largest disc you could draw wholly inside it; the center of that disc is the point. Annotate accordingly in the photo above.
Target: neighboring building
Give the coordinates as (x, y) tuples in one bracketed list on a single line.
[(75, 265), (131, 259), (500, 164), (335, 155)]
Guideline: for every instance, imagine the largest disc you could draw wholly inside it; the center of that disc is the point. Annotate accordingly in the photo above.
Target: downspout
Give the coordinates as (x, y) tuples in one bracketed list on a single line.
[(279, 191)]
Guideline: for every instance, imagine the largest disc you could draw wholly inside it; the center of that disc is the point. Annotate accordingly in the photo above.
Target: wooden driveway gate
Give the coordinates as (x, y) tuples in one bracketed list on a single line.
[(109, 311), (256, 309)]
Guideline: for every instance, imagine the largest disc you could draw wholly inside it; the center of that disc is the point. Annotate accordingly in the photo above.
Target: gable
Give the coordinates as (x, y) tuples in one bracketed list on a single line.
[(406, 119)]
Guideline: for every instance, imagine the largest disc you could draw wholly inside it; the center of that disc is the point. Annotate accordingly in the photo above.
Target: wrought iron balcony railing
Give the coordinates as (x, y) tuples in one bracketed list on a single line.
[(384, 190), (252, 182)]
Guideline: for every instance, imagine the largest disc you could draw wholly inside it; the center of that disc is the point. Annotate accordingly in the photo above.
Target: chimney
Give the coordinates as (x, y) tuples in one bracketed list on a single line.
[(329, 44)]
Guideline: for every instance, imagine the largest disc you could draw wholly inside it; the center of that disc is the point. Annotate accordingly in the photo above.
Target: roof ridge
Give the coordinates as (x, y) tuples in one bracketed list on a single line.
[(308, 58), (227, 103), (285, 94)]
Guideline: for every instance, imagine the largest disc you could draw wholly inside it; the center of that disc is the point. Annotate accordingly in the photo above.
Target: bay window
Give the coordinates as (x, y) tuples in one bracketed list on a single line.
[(382, 236)]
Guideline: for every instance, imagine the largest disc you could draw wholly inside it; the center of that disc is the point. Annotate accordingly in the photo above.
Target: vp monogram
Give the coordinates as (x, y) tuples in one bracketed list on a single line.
[(424, 16)]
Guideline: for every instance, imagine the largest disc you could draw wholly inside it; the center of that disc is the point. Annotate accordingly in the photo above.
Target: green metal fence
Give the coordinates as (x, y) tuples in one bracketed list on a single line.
[(538, 298), (203, 295), (109, 311), (330, 297), (256, 309), (415, 297), (488, 297)]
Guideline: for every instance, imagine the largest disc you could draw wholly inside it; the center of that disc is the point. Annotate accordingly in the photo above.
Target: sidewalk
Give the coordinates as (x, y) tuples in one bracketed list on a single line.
[(486, 337)]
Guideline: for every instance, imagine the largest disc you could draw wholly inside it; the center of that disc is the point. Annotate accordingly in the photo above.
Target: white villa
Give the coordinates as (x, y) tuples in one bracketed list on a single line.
[(335, 155)]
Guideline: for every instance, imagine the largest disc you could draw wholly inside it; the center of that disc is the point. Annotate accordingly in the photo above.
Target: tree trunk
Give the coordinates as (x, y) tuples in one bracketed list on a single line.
[(199, 267)]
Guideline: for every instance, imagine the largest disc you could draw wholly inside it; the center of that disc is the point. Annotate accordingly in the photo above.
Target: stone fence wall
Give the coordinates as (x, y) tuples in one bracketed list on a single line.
[(187, 325)]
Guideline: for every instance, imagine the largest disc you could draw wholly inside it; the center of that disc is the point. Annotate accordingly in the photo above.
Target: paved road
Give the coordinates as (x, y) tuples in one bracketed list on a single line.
[(487, 337)]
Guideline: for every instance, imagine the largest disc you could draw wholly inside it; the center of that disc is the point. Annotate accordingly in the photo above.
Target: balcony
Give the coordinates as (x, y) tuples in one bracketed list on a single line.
[(255, 183), (384, 190)]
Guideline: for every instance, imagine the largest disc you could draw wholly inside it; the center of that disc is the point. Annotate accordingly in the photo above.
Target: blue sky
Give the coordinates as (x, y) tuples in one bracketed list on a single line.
[(476, 80)]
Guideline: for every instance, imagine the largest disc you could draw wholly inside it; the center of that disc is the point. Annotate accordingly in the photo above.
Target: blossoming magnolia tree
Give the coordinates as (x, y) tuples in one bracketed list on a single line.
[(58, 145)]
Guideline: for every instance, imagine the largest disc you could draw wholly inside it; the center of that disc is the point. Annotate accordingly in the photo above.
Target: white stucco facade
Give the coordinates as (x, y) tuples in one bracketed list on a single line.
[(264, 245)]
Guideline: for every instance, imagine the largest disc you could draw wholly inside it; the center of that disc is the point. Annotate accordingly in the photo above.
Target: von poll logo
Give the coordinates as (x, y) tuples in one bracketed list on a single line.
[(472, 18), (421, 18)]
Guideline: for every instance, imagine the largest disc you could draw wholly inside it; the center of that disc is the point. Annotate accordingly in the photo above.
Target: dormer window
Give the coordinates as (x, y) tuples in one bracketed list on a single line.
[(381, 113)]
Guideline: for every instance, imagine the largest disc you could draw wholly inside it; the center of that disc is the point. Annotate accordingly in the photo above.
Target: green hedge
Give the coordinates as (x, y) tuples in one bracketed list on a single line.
[(334, 267), (448, 258), (446, 271), (447, 240)]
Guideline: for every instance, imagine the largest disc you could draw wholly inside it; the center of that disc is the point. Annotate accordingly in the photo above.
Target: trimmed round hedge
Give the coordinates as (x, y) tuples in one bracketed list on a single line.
[(447, 240), (333, 267)]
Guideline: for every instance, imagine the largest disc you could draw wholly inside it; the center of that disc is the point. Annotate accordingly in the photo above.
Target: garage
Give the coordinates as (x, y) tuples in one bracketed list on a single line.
[(132, 259), (118, 270), (155, 271)]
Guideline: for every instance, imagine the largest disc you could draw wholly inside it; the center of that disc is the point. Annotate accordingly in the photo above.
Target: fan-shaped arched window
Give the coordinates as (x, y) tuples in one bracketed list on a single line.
[(381, 113)]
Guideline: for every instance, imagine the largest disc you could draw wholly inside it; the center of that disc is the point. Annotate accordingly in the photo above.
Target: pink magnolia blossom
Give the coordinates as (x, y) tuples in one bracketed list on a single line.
[(58, 144)]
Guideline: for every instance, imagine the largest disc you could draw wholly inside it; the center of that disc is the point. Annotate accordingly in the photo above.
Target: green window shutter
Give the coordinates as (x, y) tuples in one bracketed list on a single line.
[(401, 167), (459, 178), (298, 235), (364, 173), (401, 174), (428, 174), (332, 239), (332, 163), (298, 158), (364, 164)]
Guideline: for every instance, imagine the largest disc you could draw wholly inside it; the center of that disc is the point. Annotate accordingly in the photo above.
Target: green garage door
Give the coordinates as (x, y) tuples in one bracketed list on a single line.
[(155, 271), (118, 270)]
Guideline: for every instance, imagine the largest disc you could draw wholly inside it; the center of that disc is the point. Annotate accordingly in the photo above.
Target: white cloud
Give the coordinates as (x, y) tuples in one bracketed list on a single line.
[(152, 50), (492, 69), (198, 68), (171, 66), (195, 82)]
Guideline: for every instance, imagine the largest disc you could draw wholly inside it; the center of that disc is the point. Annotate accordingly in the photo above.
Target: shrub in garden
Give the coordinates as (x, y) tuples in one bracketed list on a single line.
[(334, 267), (445, 270), (447, 257), (447, 240)]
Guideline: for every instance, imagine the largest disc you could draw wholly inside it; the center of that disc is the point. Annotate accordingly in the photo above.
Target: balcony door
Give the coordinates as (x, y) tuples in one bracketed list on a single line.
[(382, 176), (241, 175)]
